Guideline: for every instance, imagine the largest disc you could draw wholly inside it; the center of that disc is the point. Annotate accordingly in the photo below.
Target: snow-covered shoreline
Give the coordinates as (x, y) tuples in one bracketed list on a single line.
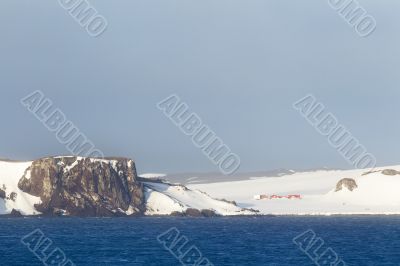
[(160, 198), (376, 194), (313, 193)]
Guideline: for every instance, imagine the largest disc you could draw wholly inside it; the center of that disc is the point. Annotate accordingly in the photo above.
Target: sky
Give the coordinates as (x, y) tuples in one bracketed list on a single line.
[(239, 65)]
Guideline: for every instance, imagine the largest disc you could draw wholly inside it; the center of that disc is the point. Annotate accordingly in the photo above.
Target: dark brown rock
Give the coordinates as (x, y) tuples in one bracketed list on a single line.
[(369, 172), (208, 213), (177, 214), (348, 183), (193, 212), (13, 196), (229, 201), (390, 172), (15, 213), (84, 186)]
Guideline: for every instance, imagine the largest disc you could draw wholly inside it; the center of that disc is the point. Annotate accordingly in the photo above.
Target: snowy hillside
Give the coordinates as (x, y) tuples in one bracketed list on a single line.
[(10, 173), (375, 193), (163, 199)]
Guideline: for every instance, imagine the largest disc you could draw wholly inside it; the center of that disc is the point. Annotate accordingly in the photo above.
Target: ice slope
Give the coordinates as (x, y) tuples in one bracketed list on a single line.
[(376, 193), (163, 199), (10, 173)]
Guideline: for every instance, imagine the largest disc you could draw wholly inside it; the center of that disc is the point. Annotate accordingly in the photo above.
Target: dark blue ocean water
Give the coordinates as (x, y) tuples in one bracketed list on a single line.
[(224, 241)]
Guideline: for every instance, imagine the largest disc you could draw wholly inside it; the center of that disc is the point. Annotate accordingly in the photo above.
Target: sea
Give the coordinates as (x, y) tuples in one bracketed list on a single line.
[(263, 240)]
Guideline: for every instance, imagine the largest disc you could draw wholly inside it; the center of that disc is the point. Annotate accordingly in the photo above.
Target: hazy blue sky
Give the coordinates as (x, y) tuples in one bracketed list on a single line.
[(238, 64)]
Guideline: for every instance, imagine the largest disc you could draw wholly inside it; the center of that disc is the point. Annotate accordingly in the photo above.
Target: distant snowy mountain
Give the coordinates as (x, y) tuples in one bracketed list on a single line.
[(215, 177), (152, 175), (79, 186)]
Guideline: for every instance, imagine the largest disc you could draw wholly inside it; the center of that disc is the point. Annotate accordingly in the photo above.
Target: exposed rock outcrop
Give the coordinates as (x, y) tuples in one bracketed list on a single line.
[(208, 213), (229, 201), (191, 212), (2, 194), (369, 172), (390, 172), (13, 196), (348, 183), (15, 213), (84, 186)]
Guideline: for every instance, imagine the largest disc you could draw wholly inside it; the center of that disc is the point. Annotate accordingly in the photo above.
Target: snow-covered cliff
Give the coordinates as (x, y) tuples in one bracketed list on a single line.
[(79, 186)]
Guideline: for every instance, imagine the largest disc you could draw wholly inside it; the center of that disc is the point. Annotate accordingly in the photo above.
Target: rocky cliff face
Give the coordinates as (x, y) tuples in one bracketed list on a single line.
[(84, 186)]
